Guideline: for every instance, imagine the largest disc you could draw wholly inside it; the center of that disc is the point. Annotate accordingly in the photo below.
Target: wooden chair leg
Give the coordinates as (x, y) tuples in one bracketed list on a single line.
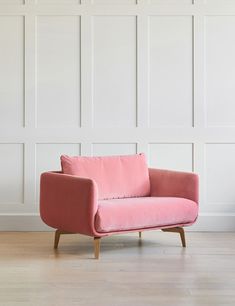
[(57, 237), (179, 230), (140, 234), (97, 247)]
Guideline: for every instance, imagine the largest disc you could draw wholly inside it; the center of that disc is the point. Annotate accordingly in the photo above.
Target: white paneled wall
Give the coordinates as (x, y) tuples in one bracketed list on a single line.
[(114, 73), (220, 49), (170, 70), (177, 156), (12, 174), (12, 71), (107, 77), (58, 71)]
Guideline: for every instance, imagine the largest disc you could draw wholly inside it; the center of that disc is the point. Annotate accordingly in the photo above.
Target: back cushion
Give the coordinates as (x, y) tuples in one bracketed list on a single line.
[(115, 176)]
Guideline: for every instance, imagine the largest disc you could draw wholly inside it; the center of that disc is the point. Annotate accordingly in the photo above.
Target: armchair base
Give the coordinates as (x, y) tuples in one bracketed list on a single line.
[(97, 240)]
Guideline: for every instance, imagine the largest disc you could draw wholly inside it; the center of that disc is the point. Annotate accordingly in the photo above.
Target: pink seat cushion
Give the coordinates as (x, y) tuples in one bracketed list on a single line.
[(137, 213), (115, 176)]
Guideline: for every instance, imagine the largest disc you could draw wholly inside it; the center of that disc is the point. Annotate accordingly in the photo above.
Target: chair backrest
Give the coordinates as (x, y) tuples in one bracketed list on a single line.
[(116, 176)]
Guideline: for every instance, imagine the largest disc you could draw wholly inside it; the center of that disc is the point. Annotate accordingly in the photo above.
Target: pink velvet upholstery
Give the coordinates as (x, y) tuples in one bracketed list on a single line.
[(68, 202), (162, 198), (166, 183), (141, 213), (116, 176)]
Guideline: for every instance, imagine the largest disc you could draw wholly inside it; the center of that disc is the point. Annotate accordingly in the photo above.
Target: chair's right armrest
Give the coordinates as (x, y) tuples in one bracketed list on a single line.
[(168, 183), (68, 202)]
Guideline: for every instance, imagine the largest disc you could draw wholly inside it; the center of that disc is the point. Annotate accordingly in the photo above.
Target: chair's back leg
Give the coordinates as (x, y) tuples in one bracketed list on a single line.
[(97, 247)]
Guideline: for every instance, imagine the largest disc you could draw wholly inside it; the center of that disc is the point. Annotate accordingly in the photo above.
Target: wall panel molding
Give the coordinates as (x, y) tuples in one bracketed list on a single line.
[(102, 149), (58, 71), (172, 156), (114, 61), (12, 75), (171, 67), (220, 92), (12, 174)]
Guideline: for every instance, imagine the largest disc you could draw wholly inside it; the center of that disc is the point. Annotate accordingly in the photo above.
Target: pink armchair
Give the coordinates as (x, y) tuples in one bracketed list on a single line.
[(101, 196)]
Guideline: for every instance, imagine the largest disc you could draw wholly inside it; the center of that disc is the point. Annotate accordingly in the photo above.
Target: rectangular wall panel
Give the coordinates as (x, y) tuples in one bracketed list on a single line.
[(220, 174), (114, 71), (102, 149), (11, 2), (11, 71), (11, 174), (220, 70), (170, 65), (58, 1), (113, 1), (58, 71), (48, 157), (171, 1), (174, 156), (221, 2)]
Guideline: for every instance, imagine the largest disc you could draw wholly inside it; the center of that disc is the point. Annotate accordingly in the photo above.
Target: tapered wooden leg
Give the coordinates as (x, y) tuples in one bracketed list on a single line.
[(57, 237), (97, 247), (140, 234), (179, 230)]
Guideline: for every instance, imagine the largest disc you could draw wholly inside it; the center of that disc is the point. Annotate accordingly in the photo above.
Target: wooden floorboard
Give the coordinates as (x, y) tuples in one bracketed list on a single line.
[(155, 270)]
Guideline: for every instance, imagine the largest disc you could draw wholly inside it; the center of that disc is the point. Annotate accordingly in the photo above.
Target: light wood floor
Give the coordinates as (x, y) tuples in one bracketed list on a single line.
[(153, 271)]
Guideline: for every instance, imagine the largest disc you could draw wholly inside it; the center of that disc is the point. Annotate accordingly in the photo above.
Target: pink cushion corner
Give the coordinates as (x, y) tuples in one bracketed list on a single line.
[(148, 212), (116, 176)]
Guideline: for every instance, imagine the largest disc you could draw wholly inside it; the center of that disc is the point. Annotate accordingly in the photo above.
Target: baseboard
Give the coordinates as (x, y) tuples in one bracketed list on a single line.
[(22, 222), (214, 223), (32, 222)]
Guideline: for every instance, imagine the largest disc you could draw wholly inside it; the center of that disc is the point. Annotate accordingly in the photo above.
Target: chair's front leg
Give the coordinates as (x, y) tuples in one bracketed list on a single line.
[(179, 230), (57, 237), (97, 247)]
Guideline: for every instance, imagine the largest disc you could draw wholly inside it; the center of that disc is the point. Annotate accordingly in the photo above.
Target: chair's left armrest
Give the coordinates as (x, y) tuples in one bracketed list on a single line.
[(166, 183), (68, 202)]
